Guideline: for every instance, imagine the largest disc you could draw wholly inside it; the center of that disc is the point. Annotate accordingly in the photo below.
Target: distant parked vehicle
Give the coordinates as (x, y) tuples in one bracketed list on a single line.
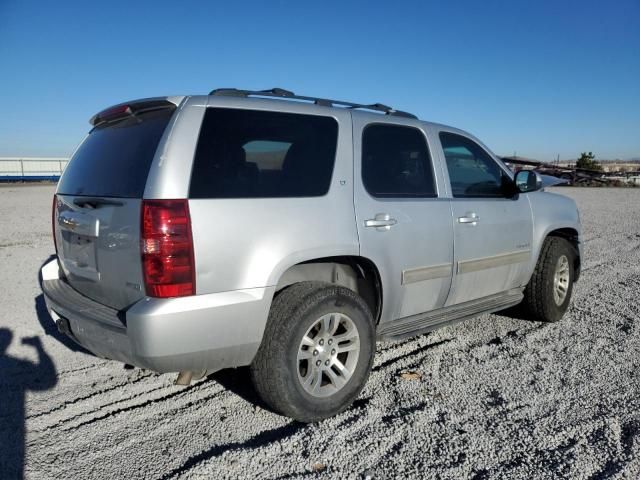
[(290, 233)]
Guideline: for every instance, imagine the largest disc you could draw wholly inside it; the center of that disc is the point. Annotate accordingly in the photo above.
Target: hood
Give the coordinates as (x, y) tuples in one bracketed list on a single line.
[(550, 181)]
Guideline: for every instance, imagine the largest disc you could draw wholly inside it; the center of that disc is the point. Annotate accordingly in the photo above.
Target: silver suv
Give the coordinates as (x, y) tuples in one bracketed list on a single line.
[(290, 233)]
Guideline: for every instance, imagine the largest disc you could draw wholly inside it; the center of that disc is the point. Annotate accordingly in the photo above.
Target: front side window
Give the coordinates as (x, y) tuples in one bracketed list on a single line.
[(261, 154), (396, 162), (472, 171)]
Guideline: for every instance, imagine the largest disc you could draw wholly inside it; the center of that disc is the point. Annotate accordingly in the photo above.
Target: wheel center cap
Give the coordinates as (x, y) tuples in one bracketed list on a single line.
[(324, 351)]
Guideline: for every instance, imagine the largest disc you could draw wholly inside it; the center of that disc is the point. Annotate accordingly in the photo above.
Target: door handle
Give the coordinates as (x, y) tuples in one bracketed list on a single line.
[(381, 222), (470, 218)]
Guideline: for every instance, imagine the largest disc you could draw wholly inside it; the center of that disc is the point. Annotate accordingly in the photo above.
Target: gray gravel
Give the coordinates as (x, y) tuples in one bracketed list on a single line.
[(494, 397)]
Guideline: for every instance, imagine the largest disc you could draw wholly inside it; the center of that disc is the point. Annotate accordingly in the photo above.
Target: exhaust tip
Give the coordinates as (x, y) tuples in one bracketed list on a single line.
[(63, 326)]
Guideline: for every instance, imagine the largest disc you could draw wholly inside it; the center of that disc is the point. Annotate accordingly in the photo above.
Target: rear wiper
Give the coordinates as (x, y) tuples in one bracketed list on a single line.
[(95, 202)]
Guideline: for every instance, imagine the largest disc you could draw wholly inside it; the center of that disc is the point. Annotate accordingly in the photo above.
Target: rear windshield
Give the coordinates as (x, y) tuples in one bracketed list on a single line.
[(250, 153), (115, 158)]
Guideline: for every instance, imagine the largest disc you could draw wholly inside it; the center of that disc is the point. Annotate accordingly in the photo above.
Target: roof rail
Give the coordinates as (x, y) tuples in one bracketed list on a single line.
[(325, 102)]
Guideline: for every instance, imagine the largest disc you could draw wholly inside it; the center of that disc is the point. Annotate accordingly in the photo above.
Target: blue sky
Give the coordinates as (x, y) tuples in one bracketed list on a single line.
[(539, 78)]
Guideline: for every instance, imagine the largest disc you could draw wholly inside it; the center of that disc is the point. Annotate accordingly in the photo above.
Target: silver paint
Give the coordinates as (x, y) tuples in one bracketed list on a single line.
[(245, 248)]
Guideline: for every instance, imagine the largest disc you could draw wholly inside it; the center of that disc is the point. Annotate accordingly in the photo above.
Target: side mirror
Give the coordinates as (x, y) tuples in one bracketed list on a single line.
[(528, 181)]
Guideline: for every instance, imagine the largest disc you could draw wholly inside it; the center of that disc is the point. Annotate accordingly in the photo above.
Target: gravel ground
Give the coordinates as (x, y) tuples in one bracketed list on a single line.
[(495, 397)]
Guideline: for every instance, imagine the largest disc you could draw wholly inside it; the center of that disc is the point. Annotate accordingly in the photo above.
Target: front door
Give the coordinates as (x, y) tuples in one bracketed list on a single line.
[(404, 226), (492, 229)]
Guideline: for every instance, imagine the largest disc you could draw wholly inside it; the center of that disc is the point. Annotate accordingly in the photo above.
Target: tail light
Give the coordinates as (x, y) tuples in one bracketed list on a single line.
[(54, 208), (167, 249)]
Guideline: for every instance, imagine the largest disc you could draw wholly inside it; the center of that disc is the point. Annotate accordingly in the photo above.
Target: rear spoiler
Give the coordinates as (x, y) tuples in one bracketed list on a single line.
[(134, 107)]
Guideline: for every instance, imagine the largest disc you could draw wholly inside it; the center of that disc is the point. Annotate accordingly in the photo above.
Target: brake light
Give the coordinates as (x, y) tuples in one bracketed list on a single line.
[(113, 113), (167, 249), (53, 222)]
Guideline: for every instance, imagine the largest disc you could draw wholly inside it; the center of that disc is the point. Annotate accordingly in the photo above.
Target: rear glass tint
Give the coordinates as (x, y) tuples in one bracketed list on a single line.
[(115, 158), (396, 162), (251, 153)]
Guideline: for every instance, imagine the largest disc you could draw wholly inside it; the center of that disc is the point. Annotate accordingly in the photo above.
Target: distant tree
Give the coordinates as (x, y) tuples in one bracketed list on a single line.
[(588, 162)]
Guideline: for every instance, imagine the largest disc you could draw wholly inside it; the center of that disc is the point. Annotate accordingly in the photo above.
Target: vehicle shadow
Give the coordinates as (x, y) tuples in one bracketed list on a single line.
[(517, 313), (47, 323), (18, 376), (238, 381)]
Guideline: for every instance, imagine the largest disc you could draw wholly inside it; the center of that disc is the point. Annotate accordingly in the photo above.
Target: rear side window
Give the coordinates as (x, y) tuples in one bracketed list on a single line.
[(251, 153), (473, 173), (396, 162), (115, 158)]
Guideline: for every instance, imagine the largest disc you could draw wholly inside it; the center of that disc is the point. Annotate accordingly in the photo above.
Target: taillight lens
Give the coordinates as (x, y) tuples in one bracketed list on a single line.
[(167, 249), (54, 209)]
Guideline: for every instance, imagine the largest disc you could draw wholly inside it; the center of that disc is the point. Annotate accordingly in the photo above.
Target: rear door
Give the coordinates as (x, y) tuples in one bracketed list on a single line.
[(492, 228), (404, 225), (98, 202), (269, 189)]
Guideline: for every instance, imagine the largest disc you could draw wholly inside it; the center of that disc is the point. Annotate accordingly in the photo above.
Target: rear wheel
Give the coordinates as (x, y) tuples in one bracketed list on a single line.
[(548, 293), (316, 352)]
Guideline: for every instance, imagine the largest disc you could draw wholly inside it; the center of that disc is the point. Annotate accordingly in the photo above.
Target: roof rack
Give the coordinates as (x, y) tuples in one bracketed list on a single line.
[(325, 102)]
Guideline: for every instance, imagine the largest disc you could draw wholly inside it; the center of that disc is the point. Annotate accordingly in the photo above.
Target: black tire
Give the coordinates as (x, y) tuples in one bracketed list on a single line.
[(539, 302), (274, 370)]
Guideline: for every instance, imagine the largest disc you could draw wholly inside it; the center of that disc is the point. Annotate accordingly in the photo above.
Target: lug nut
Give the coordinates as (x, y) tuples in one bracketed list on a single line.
[(318, 363), (330, 341), (327, 363), (321, 342), (333, 352), (315, 352)]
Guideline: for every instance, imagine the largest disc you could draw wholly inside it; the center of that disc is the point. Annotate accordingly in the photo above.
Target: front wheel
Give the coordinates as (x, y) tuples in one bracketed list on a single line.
[(548, 293), (316, 353)]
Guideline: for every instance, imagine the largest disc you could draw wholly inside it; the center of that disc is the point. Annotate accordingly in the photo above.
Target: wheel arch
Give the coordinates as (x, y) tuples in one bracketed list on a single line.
[(357, 273), (572, 236)]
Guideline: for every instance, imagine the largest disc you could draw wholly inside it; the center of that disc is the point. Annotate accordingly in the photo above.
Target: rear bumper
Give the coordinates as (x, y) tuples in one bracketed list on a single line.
[(211, 332)]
